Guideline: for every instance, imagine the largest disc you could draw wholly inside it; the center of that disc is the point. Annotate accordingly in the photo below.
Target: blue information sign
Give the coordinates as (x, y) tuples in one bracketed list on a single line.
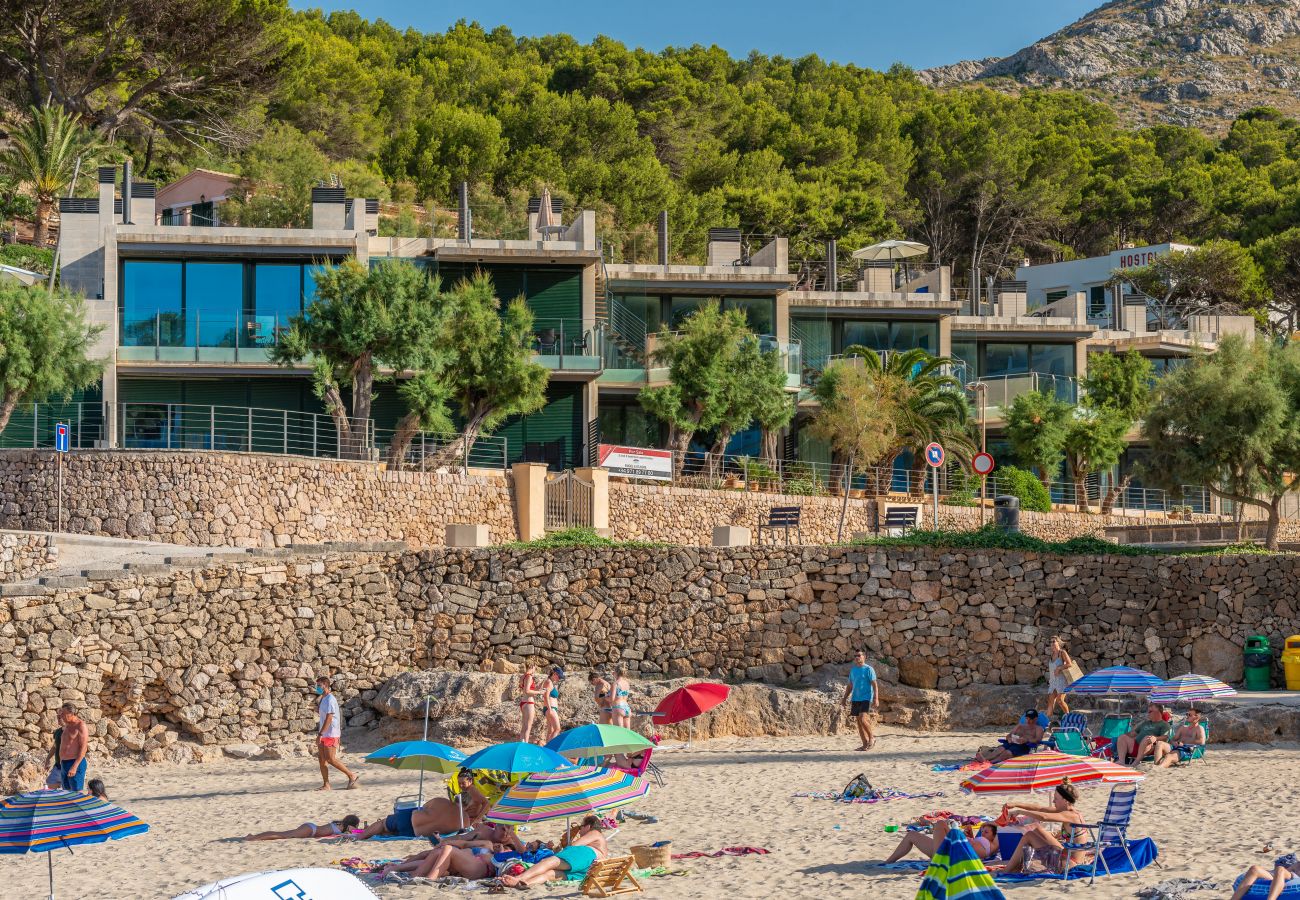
[(61, 437)]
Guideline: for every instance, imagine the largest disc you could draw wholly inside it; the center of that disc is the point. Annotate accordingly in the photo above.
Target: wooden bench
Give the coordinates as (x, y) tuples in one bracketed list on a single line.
[(785, 517), (899, 519), (606, 878)]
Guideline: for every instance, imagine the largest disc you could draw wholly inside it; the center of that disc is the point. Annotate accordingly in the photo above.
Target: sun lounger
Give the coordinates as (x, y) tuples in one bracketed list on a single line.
[(608, 877), (644, 767)]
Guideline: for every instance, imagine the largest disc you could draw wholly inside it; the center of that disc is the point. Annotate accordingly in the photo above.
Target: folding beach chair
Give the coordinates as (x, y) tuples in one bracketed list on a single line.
[(644, 767), (1077, 721), (1071, 742), (1111, 728), (1198, 752), (1111, 831), (606, 878)]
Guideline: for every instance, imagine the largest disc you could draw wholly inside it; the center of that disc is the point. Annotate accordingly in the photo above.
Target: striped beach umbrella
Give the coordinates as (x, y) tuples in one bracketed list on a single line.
[(1045, 770), (598, 740), (1190, 688), (957, 873), (43, 821), (565, 793), (1116, 680)]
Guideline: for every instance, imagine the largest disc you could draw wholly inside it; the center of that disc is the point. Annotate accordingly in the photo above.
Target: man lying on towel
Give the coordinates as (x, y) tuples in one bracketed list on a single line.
[(438, 817)]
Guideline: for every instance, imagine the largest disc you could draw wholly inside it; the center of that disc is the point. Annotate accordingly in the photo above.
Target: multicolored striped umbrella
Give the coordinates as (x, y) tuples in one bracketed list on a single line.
[(41, 821), (956, 873), (571, 791), (598, 740), (1116, 680), (1190, 688), (1045, 770)]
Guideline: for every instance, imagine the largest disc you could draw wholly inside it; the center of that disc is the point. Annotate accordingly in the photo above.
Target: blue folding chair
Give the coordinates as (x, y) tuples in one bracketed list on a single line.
[(1076, 721), (1111, 831)]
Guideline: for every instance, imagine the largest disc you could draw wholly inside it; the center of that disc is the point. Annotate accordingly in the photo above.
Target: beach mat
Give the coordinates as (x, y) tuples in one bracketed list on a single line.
[(1144, 854)]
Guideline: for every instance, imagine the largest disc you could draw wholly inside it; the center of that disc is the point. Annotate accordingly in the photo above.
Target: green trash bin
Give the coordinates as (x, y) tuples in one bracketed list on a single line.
[(1258, 663)]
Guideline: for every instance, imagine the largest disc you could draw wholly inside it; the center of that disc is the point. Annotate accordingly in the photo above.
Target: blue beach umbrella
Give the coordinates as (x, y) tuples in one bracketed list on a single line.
[(956, 873), (1116, 680), (44, 821), (515, 758), (427, 756)]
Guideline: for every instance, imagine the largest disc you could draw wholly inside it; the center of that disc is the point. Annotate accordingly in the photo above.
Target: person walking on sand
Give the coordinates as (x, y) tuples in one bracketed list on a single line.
[(73, 744), (861, 692), (528, 694), (328, 732), (1058, 661)]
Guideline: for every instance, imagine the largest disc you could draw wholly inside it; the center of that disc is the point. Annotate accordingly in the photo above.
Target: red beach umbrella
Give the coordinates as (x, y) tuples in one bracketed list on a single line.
[(689, 701)]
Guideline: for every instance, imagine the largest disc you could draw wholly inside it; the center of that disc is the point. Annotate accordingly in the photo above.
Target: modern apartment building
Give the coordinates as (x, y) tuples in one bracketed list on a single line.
[(190, 310)]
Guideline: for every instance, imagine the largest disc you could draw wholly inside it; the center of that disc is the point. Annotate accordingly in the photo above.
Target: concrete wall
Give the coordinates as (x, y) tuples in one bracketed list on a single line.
[(245, 499), (25, 555), (227, 651)]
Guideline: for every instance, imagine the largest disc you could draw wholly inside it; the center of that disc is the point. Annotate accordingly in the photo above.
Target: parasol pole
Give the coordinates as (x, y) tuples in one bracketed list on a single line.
[(426, 737), (49, 858)]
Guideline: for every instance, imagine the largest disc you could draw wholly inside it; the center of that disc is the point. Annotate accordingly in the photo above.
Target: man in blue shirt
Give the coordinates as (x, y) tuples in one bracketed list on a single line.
[(861, 690)]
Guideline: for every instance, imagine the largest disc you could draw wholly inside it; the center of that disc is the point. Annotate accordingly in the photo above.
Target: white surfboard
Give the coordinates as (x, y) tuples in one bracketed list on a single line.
[(285, 884)]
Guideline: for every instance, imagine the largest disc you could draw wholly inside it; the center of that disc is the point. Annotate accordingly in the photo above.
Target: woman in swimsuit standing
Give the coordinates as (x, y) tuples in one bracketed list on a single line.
[(309, 830), (528, 694), (603, 690), (620, 711), (553, 703)]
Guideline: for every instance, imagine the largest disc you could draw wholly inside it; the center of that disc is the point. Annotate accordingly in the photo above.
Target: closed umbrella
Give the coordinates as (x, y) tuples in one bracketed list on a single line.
[(1044, 771), (689, 701), (564, 793), (598, 740), (44, 821), (515, 757), (957, 873), (1189, 689), (427, 756), (1116, 680)]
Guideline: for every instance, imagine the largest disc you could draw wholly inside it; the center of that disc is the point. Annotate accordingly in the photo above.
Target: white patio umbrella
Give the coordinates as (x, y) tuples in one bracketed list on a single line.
[(891, 250)]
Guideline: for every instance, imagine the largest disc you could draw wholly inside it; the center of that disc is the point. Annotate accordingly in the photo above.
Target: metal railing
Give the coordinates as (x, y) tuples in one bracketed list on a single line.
[(567, 344), (812, 372), (1002, 390), (201, 335)]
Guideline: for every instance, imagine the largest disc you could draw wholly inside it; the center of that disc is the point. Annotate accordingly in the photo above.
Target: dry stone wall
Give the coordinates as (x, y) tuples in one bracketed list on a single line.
[(226, 651), (244, 499), (25, 555)]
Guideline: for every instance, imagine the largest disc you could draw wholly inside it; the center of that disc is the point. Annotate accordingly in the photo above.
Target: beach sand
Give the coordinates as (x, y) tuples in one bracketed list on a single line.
[(1211, 820)]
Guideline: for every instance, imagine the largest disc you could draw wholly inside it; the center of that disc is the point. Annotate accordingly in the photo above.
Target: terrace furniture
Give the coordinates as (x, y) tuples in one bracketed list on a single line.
[(899, 520), (608, 877), (785, 517)]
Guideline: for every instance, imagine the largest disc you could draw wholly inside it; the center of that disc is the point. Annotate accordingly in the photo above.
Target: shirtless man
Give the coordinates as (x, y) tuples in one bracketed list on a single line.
[(572, 861), (1183, 745), (72, 749), (439, 816), (1022, 739)]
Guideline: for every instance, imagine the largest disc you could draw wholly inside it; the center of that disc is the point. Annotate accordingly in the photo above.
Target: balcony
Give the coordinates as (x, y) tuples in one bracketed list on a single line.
[(1002, 390), (201, 336), (565, 346)]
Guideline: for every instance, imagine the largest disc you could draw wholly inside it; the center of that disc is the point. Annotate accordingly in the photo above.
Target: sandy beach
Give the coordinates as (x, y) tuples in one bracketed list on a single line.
[(1210, 820)]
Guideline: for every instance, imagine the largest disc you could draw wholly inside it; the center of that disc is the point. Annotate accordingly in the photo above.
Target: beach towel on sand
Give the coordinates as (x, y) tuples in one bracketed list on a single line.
[(725, 851), (1144, 854), (882, 795), (1179, 889)]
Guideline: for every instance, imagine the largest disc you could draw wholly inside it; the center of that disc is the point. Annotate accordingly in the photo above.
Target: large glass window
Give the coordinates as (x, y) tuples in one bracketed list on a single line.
[(277, 298), (1051, 359), (152, 312), (911, 335), (214, 303), (628, 424), (1005, 359), (646, 309), (682, 307), (760, 312), (968, 352), (872, 335)]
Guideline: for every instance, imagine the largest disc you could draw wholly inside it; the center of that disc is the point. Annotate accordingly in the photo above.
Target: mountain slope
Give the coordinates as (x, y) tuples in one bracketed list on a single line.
[(1185, 61)]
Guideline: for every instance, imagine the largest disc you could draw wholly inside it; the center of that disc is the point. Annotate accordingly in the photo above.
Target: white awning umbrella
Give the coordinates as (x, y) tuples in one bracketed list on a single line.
[(891, 250)]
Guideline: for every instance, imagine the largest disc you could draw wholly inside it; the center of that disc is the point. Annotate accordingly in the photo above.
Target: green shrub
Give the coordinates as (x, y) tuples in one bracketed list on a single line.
[(1025, 485), (35, 259), (575, 537), (990, 537)]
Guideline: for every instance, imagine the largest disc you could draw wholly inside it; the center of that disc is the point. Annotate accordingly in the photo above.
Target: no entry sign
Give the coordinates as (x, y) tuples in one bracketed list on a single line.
[(982, 463)]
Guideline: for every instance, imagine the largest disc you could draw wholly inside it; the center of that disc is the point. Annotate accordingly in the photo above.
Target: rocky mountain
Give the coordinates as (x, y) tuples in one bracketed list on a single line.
[(1191, 62)]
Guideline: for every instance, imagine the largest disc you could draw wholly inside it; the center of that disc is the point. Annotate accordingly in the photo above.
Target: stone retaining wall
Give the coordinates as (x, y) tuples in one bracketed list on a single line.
[(25, 555), (245, 499), (226, 651)]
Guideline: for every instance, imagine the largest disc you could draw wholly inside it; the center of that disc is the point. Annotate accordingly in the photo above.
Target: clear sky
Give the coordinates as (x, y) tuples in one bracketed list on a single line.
[(875, 33)]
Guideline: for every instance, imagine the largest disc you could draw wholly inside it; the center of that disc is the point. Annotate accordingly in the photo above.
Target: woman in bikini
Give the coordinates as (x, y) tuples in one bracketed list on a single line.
[(528, 694), (1049, 849), (620, 711), (603, 691), (553, 703), (573, 861), (985, 842), (309, 830)]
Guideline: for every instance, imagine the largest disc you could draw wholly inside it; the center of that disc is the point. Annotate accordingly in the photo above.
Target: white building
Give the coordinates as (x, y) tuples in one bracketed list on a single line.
[(1051, 282)]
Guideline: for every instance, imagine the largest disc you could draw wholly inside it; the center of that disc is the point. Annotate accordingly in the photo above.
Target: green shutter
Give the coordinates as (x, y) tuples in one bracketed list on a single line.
[(556, 294), (559, 421)]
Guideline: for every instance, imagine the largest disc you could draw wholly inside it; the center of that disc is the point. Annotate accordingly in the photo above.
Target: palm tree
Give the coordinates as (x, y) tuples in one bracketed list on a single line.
[(43, 157), (932, 406)]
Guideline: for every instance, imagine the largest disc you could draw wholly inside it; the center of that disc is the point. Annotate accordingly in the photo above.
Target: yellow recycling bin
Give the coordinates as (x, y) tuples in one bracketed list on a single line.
[(1291, 662)]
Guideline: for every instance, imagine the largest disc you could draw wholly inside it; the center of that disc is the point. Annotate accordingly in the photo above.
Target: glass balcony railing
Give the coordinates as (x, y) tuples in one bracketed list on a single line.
[(200, 335), (565, 345), (1002, 390)]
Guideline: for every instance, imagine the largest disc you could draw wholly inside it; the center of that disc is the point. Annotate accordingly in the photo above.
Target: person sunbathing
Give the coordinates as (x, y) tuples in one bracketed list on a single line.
[(440, 816), (985, 842), (1183, 745), (1022, 739), (1134, 746), (1285, 869), (1049, 849), (309, 830), (469, 857), (573, 861)]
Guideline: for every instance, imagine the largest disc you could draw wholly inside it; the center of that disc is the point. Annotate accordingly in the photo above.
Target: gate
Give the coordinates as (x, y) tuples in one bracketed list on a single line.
[(568, 502)]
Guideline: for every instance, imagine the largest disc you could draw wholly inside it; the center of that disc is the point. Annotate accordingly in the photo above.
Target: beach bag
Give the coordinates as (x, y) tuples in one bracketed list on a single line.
[(1072, 672), (858, 789)]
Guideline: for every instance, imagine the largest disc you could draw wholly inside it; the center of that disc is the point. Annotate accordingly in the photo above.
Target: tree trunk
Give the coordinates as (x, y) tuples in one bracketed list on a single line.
[(1114, 494), (771, 442), (1081, 490), (1274, 524), (679, 440), (44, 207), (718, 451), (844, 505), (449, 453), (407, 428), (7, 407), (347, 443)]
